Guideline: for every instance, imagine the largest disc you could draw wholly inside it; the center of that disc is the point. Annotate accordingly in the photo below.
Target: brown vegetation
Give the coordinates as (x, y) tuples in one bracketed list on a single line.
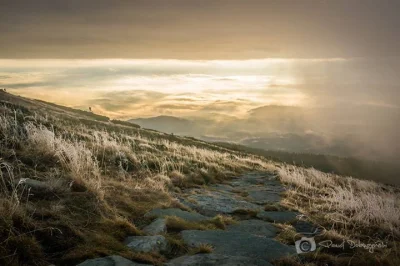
[(99, 178)]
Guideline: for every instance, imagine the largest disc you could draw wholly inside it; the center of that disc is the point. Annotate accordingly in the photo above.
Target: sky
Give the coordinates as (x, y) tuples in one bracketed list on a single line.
[(130, 59)]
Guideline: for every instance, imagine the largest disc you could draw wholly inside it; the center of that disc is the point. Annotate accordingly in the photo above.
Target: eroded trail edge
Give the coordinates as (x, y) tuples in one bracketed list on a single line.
[(234, 223)]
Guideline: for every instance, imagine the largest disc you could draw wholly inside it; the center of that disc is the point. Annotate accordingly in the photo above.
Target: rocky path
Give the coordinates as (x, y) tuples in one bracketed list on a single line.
[(249, 241)]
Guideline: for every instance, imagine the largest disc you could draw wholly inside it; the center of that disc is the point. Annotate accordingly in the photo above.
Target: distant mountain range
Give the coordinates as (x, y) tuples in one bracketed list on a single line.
[(169, 124), (366, 132)]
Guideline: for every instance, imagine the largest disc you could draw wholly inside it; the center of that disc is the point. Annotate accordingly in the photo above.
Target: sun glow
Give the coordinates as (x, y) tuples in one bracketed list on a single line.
[(183, 86)]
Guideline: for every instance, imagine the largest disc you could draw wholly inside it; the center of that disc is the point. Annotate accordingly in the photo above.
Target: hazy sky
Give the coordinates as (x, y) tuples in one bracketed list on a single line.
[(203, 29), (145, 58)]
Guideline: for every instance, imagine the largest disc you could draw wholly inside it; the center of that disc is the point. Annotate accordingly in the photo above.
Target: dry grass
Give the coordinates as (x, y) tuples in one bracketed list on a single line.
[(344, 199), (202, 249), (176, 224), (107, 176), (349, 209), (287, 235), (102, 176), (221, 221)]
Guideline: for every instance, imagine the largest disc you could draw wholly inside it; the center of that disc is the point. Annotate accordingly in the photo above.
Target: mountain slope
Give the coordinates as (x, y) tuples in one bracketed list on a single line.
[(73, 187), (168, 124), (87, 176)]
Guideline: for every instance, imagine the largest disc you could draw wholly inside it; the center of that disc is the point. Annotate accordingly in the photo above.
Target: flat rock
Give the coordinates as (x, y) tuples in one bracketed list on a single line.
[(278, 216), (110, 261), (214, 203), (263, 196), (189, 216), (222, 187), (147, 243), (235, 243), (216, 260), (307, 228), (157, 227), (254, 227), (34, 184)]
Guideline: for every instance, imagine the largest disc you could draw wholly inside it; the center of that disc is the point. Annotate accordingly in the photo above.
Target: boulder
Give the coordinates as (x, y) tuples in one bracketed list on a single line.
[(157, 227), (147, 243), (263, 196), (214, 203), (278, 216), (307, 228), (217, 260), (33, 184), (254, 227), (189, 216), (110, 261), (233, 243)]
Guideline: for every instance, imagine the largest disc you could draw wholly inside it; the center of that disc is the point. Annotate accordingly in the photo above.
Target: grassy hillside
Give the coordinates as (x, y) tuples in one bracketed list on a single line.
[(91, 181), (97, 178), (347, 166)]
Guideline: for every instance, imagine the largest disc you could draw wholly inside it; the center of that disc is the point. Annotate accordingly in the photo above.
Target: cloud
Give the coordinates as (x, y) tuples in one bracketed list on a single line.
[(24, 85), (125, 100), (177, 107), (181, 29)]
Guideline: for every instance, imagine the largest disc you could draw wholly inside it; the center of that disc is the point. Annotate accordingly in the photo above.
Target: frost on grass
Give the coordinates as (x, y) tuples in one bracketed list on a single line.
[(345, 200), (101, 173)]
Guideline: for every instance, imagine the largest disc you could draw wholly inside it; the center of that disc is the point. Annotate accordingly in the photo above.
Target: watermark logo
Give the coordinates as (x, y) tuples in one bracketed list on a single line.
[(307, 242), (353, 244), (305, 245)]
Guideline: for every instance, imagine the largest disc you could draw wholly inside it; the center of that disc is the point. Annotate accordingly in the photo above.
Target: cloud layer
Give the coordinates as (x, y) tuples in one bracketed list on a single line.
[(207, 29), (131, 88), (355, 101)]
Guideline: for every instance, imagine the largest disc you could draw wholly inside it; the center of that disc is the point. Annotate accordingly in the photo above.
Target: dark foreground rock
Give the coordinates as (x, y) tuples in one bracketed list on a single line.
[(245, 243), (254, 227), (238, 244), (157, 227), (216, 259), (110, 261), (278, 216), (246, 192), (189, 216), (212, 203), (147, 243), (307, 228), (40, 186), (263, 196)]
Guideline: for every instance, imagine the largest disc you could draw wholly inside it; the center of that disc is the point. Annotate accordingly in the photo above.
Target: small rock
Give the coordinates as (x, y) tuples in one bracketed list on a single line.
[(254, 227), (216, 259), (234, 243), (147, 243), (110, 261), (278, 217), (189, 216), (156, 227), (34, 184), (307, 228), (215, 203), (263, 196), (222, 187)]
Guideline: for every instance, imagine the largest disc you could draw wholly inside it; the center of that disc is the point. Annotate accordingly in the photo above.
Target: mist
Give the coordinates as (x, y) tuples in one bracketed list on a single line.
[(346, 107)]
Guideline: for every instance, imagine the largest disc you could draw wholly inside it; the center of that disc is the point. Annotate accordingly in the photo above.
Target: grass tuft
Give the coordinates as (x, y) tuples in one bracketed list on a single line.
[(202, 249)]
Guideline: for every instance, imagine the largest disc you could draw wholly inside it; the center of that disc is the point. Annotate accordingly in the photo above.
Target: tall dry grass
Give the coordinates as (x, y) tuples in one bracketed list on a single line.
[(90, 155), (345, 200)]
